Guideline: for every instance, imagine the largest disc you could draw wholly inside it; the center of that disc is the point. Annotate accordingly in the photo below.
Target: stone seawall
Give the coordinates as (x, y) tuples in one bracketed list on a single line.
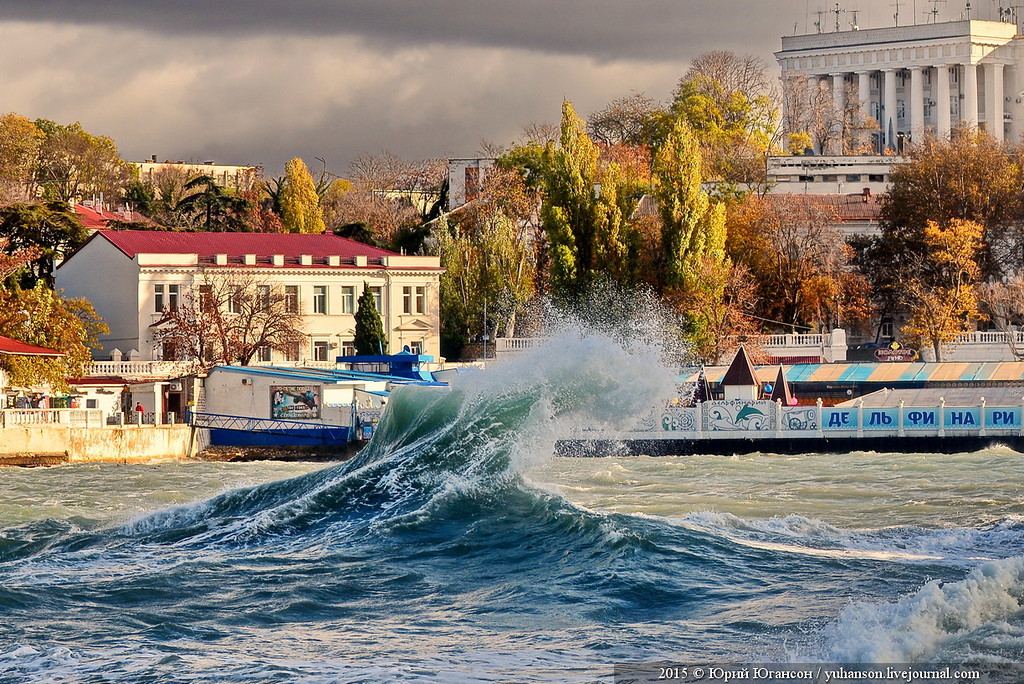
[(50, 444)]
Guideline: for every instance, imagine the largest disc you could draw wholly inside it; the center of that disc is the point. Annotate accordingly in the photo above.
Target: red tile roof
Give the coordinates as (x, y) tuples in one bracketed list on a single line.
[(9, 346), (236, 245), (97, 218)]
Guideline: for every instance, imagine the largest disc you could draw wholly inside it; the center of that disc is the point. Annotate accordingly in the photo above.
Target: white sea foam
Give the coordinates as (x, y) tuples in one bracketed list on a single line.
[(798, 534), (979, 614)]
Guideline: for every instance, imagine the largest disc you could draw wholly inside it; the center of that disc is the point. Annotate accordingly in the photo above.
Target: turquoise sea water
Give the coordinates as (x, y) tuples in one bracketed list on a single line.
[(455, 549)]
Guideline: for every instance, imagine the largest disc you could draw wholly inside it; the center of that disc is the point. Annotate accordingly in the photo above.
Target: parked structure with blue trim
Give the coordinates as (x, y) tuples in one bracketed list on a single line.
[(296, 407)]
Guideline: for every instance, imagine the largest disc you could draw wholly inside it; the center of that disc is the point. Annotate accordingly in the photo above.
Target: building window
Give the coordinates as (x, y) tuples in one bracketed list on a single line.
[(876, 178), (235, 301), (320, 299), (830, 178), (168, 352), (348, 348), (806, 179), (853, 178), (321, 348), (158, 298), (416, 347), (91, 403), (291, 299), (263, 291), (206, 298), (414, 300), (885, 328), (291, 352), (172, 297), (348, 299), (263, 353), (901, 109), (378, 298), (876, 110), (472, 183)]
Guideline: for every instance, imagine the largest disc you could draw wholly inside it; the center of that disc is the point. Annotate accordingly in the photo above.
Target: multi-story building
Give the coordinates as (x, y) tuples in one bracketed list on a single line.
[(226, 175), (132, 276), (915, 79)]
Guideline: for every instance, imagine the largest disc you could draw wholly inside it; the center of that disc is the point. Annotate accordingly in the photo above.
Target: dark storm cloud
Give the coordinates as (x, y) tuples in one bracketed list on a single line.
[(603, 29)]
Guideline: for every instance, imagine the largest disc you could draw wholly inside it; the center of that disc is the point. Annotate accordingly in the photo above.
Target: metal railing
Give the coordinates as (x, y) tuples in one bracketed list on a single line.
[(273, 426)]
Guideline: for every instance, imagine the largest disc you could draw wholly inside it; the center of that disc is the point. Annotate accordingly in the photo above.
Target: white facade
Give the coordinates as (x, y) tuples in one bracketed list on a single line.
[(826, 175), (922, 78), (465, 179), (130, 290), (225, 175)]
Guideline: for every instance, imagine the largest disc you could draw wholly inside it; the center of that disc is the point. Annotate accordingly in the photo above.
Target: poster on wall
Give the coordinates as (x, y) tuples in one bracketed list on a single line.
[(294, 402)]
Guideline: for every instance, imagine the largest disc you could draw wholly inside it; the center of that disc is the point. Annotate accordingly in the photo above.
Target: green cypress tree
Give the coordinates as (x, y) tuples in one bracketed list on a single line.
[(370, 337)]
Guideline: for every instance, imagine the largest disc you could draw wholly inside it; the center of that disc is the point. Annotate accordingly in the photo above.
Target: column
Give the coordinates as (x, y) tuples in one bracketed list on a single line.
[(916, 105), (1013, 106), (864, 92), (888, 121), (994, 99), (943, 117), (839, 100), (969, 108)]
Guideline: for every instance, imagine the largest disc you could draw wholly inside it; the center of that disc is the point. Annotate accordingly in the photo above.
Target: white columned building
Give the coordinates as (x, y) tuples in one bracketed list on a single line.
[(920, 79)]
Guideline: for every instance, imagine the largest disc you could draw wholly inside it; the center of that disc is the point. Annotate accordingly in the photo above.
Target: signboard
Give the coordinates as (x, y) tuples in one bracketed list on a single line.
[(295, 402), (895, 352)]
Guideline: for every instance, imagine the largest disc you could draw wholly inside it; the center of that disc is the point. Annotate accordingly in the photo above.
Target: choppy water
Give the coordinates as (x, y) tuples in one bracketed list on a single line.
[(454, 548)]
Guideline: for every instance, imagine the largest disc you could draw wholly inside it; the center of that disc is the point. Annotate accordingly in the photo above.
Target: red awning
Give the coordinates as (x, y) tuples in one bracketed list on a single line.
[(9, 346)]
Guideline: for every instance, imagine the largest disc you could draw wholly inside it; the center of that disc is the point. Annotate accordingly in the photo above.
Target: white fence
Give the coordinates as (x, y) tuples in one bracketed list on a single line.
[(80, 418), (830, 346)]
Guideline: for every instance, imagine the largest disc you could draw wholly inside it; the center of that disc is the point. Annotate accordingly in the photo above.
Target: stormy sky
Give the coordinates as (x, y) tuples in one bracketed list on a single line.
[(261, 81)]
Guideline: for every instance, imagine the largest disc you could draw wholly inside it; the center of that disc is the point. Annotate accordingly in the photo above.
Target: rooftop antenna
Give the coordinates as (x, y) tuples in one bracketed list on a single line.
[(897, 15), (817, 24), (967, 8), (854, 26), (837, 12), (934, 11)]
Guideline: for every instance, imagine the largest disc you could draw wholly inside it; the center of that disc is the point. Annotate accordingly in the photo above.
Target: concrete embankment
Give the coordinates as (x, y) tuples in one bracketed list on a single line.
[(52, 444)]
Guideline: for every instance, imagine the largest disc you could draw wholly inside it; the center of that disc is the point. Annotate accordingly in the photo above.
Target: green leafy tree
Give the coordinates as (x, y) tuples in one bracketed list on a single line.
[(53, 229), (693, 227), (730, 105), (42, 317), (370, 337), (210, 207), (299, 201)]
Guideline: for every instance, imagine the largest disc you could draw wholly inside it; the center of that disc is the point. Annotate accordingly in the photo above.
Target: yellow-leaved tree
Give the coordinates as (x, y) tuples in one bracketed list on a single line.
[(942, 294), (300, 203)]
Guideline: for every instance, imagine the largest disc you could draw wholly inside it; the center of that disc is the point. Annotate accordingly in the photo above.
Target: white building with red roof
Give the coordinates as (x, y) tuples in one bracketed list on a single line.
[(132, 276)]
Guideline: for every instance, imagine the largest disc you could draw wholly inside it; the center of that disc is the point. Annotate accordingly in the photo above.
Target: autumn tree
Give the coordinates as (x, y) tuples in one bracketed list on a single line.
[(799, 260), (369, 337), (1002, 303), (970, 177), (19, 150), (74, 163), (624, 121), (489, 261), (40, 316), (942, 292), (229, 319), (300, 203)]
